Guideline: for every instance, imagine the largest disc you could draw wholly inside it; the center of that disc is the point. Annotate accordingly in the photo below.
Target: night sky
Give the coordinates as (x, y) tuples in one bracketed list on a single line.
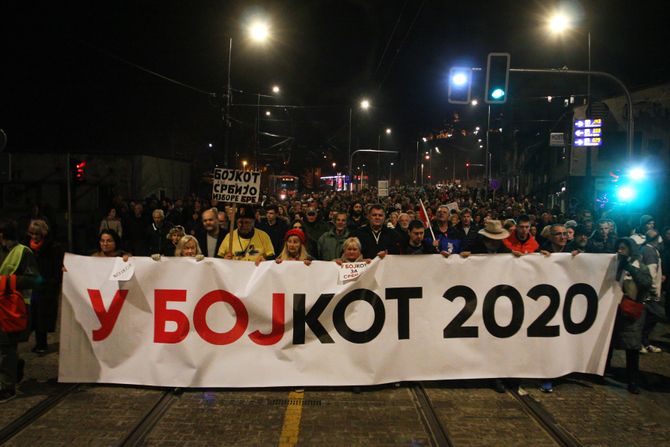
[(66, 87)]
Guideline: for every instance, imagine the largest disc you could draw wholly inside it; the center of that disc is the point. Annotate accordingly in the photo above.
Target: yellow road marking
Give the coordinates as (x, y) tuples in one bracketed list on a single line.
[(291, 428)]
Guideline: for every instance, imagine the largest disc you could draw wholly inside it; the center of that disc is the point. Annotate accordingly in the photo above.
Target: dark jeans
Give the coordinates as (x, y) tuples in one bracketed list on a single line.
[(9, 358)]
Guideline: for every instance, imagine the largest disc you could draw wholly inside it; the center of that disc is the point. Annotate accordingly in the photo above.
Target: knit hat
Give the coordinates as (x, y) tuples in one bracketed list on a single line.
[(295, 232), (570, 223), (645, 219)]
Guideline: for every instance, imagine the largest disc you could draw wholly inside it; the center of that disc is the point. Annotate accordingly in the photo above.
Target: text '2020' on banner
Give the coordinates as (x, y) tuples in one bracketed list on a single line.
[(178, 322)]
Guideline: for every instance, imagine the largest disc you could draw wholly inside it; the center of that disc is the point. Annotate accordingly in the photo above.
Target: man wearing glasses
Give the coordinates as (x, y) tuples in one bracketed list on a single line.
[(558, 240)]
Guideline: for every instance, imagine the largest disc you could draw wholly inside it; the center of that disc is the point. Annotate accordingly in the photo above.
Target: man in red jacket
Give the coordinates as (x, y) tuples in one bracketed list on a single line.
[(521, 242)]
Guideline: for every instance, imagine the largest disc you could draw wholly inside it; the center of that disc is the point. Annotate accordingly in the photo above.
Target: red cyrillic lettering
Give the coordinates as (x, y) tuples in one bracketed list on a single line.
[(277, 323), (162, 314), (107, 318), (200, 318)]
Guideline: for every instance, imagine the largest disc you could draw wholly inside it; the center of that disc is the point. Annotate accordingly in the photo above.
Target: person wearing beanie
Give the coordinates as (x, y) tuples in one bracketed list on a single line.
[(294, 248), (647, 222), (580, 240), (570, 226)]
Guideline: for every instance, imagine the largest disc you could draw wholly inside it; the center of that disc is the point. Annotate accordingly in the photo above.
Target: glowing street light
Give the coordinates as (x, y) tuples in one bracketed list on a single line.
[(275, 89), (558, 23), (388, 131), (474, 102), (268, 113), (244, 165), (259, 31), (365, 104)]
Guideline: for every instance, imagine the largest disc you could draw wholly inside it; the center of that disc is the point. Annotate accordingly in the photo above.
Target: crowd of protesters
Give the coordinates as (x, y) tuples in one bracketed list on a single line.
[(359, 226)]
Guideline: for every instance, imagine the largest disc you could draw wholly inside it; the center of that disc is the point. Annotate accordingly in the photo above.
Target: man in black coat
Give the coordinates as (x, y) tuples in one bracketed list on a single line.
[(275, 228), (376, 237), (157, 233), (465, 230), (211, 235)]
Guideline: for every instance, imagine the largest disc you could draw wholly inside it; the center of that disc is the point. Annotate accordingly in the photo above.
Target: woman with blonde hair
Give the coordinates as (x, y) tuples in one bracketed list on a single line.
[(294, 248), (188, 247), (351, 252)]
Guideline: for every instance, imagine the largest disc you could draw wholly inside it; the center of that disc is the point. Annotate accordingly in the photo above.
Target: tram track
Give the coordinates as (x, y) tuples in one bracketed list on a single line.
[(544, 419), (34, 413), (437, 431), (144, 425)]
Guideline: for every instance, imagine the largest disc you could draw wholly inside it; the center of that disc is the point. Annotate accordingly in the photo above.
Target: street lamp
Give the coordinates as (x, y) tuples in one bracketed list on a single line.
[(259, 32), (560, 22), (364, 105), (387, 131), (275, 89), (244, 165)]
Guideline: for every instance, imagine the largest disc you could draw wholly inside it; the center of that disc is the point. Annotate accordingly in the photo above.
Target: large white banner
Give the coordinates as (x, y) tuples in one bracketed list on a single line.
[(218, 323)]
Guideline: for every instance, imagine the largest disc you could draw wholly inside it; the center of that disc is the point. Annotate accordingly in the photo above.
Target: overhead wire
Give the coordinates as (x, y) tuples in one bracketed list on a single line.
[(146, 70), (388, 42), (411, 25)]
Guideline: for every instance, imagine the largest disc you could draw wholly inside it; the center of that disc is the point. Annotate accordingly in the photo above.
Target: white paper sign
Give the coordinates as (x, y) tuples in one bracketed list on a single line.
[(233, 185), (122, 271), (352, 270), (452, 206)]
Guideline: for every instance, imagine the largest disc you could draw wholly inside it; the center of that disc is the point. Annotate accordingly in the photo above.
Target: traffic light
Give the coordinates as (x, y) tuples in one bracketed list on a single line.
[(77, 170), (497, 78), (460, 85)]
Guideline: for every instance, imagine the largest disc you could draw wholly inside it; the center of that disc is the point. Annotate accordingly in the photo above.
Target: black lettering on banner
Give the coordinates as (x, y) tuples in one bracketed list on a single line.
[(591, 308), (488, 311), (311, 318), (539, 327), (455, 329), (341, 325), (403, 295)]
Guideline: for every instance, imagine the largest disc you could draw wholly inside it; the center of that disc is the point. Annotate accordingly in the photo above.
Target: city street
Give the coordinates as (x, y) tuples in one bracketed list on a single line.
[(581, 411)]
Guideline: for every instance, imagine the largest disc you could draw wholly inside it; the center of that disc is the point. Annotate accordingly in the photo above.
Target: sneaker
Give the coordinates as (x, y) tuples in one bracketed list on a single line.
[(654, 349), (546, 387), (643, 350), (7, 394)]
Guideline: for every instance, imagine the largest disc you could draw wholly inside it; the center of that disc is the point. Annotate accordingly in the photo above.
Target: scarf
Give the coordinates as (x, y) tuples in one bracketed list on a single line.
[(36, 246)]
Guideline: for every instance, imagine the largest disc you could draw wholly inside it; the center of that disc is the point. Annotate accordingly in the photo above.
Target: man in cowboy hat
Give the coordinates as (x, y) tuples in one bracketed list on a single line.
[(489, 240), (248, 243)]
